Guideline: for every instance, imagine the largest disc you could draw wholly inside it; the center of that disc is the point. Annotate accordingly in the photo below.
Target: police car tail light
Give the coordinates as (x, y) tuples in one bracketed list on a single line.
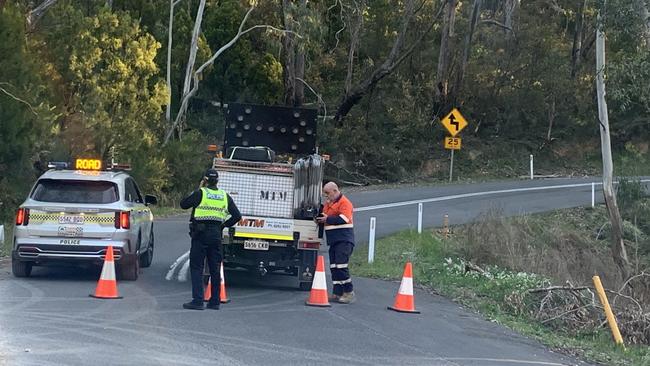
[(308, 244), (22, 216), (123, 220)]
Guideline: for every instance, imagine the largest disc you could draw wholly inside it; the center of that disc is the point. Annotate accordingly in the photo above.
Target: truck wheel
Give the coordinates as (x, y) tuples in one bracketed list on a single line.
[(305, 286), (21, 269)]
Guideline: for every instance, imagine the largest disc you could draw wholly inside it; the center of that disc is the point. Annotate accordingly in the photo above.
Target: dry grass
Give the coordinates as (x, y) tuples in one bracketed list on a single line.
[(569, 247)]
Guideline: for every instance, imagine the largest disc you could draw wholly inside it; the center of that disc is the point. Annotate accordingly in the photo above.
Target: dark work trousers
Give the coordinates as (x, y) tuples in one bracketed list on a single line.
[(206, 244), (340, 253)]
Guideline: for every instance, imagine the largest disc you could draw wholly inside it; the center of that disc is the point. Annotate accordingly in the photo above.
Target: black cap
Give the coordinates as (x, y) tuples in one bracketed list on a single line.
[(212, 174)]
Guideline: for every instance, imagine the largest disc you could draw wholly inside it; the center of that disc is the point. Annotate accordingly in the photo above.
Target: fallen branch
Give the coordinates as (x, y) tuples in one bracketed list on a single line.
[(553, 288), (469, 266), (567, 313)]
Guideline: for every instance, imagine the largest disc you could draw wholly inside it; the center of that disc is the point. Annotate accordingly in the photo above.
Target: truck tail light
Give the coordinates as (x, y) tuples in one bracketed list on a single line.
[(22, 216), (309, 245), (123, 220)]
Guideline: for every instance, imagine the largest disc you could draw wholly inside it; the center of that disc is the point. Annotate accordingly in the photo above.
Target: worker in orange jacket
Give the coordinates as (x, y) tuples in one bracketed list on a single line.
[(337, 220)]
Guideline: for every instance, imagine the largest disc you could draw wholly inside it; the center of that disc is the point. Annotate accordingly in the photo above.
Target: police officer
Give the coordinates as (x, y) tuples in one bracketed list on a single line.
[(337, 219), (211, 208)]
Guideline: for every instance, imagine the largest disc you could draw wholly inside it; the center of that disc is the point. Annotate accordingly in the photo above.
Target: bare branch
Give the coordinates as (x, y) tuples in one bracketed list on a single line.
[(642, 274), (38, 12), (17, 99), (195, 85), (564, 288), (320, 99), (567, 313), (497, 23)]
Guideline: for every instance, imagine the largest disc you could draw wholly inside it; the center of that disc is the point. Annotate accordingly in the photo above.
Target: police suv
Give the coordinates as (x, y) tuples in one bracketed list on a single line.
[(73, 215)]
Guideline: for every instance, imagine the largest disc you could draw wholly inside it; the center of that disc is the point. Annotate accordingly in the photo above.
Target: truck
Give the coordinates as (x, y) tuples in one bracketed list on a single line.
[(271, 168)]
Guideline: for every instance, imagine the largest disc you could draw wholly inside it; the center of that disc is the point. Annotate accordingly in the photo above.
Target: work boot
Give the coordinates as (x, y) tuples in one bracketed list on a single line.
[(333, 297), (193, 305), (347, 298), (213, 305)]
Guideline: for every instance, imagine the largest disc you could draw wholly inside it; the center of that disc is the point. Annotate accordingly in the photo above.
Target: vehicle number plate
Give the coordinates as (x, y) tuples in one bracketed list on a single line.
[(256, 245), (71, 231), (73, 220), (70, 241)]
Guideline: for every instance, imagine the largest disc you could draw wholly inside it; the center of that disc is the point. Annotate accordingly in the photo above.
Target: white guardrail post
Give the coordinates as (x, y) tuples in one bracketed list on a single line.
[(531, 167), (593, 195), (371, 240), (420, 218)]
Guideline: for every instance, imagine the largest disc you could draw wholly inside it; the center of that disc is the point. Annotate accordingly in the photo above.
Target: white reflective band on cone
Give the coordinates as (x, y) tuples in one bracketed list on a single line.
[(319, 281), (406, 288), (108, 272)]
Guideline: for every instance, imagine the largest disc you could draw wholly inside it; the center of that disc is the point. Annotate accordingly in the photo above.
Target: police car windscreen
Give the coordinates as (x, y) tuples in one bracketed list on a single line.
[(75, 191)]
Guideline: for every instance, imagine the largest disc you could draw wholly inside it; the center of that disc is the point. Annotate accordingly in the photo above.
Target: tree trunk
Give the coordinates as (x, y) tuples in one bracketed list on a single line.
[(194, 46), (288, 55), (475, 15), (168, 110), (299, 74), (619, 253), (442, 77), (577, 40), (354, 25), (645, 18), (551, 120), (510, 7), (300, 67)]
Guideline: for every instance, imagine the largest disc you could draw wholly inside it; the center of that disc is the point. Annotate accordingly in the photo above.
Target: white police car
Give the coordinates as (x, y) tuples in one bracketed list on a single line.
[(73, 215)]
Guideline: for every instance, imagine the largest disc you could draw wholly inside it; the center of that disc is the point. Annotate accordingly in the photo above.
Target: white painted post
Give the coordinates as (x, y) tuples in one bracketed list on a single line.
[(531, 166), (420, 218), (593, 195), (371, 240)]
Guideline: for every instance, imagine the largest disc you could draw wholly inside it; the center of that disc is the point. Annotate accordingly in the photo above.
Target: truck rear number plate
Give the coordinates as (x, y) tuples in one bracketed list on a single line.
[(71, 231), (74, 220), (69, 241), (256, 245)]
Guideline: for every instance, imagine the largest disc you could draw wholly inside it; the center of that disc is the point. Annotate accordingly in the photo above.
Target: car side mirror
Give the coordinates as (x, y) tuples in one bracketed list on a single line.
[(150, 200)]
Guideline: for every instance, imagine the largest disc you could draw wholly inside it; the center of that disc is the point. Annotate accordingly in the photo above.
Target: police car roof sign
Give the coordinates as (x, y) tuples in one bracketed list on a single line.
[(88, 164)]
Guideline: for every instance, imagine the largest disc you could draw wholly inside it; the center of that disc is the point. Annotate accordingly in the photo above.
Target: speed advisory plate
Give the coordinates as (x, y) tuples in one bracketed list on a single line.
[(256, 245)]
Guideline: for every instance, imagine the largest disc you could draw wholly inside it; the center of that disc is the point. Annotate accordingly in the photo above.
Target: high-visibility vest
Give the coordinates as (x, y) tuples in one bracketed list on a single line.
[(213, 206)]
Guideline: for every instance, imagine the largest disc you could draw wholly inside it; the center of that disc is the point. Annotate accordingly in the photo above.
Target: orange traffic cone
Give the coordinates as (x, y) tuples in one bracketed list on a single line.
[(107, 285), (207, 293), (223, 298), (318, 294), (404, 301)]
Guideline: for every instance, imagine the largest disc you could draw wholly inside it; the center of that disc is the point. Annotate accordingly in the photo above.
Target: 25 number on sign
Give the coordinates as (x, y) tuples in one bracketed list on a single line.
[(453, 143)]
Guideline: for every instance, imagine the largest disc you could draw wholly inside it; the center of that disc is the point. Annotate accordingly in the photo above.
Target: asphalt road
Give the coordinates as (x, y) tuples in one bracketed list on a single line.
[(49, 319)]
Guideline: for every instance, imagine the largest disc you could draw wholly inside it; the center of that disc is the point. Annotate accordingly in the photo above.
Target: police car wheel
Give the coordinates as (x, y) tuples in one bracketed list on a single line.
[(147, 258), (129, 269), (21, 269)]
